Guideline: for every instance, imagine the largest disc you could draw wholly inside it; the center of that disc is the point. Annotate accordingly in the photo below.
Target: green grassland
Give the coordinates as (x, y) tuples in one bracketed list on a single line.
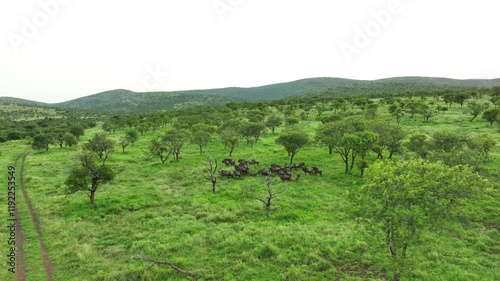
[(168, 212)]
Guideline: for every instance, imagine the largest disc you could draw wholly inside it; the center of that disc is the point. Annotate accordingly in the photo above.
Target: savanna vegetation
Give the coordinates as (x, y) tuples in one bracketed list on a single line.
[(370, 187)]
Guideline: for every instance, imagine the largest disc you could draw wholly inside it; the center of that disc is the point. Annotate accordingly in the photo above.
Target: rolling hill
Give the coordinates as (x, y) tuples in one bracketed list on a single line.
[(124, 101)]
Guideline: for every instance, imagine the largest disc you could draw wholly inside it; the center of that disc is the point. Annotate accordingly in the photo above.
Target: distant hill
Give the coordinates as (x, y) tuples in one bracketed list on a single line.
[(124, 101), (23, 102)]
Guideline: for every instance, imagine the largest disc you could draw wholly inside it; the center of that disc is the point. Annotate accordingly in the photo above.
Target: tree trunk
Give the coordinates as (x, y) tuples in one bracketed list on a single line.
[(92, 196)]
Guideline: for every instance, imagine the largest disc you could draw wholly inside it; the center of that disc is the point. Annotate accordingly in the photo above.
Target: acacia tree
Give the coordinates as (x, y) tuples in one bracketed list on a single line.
[(492, 115), (159, 148), (131, 136), (252, 132), (338, 136), (230, 138), (100, 144), (70, 139), (175, 140), (123, 143), (77, 130), (396, 110), (363, 142), (201, 134), (476, 108), (293, 141), (274, 121), (41, 141), (408, 197), (390, 137), (89, 174)]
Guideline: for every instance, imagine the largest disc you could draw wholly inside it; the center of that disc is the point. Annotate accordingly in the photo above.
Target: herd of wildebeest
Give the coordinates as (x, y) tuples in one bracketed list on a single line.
[(242, 168)]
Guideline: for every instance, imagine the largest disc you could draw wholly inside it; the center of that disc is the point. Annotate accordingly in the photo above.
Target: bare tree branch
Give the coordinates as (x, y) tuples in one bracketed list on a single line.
[(141, 256)]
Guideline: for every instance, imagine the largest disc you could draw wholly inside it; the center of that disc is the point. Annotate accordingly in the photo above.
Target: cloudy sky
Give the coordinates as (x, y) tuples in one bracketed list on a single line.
[(57, 50)]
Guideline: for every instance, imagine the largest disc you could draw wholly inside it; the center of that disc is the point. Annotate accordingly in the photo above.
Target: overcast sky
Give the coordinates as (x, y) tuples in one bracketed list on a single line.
[(57, 50)]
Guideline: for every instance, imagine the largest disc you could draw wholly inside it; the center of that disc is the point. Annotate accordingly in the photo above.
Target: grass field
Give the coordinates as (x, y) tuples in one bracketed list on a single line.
[(168, 212)]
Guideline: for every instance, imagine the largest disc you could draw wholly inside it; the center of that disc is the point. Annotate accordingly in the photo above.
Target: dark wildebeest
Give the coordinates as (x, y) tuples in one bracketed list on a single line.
[(228, 161), (264, 172), (317, 170), (224, 173), (307, 170), (254, 162)]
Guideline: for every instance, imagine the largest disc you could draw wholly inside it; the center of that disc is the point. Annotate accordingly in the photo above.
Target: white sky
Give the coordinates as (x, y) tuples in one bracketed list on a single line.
[(74, 48)]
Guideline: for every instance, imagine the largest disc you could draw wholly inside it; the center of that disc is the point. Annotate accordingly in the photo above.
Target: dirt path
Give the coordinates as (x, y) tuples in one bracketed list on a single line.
[(49, 269), (20, 267)]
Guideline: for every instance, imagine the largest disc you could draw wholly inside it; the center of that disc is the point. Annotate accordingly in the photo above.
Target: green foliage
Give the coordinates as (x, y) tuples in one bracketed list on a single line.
[(175, 139), (292, 141), (132, 136), (201, 134), (159, 148), (274, 121), (70, 140), (403, 198), (492, 115), (476, 108), (77, 130), (41, 141), (100, 144), (419, 143), (89, 174), (230, 138)]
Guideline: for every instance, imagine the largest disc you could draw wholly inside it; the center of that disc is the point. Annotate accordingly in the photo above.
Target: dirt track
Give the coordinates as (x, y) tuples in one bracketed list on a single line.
[(20, 267), (49, 269)]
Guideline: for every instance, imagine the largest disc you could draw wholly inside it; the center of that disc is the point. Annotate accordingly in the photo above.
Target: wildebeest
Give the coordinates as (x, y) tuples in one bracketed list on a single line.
[(228, 161), (317, 170), (224, 173), (286, 177), (264, 172), (242, 169), (307, 170), (254, 162)]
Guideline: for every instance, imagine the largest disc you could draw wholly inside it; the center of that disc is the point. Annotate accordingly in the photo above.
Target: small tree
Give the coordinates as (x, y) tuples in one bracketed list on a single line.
[(70, 140), (270, 195), (201, 134), (175, 140), (476, 108), (158, 148), (89, 174), (293, 141), (230, 138), (77, 130), (252, 131), (123, 143), (212, 171), (41, 141), (131, 136), (273, 122), (419, 144), (100, 144), (492, 115)]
